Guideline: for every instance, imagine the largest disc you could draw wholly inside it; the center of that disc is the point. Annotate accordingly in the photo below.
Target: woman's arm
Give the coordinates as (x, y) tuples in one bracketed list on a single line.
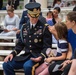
[(62, 57), (17, 23), (69, 54), (73, 68)]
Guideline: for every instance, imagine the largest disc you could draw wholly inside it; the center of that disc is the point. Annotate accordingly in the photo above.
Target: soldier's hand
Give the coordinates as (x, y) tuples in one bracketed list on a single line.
[(36, 59), (9, 57)]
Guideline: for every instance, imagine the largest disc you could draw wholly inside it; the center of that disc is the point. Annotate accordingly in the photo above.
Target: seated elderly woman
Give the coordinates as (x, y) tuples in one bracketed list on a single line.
[(11, 23)]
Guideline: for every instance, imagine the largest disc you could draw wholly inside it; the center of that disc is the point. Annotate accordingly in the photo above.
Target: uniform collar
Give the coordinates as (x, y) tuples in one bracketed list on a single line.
[(32, 24)]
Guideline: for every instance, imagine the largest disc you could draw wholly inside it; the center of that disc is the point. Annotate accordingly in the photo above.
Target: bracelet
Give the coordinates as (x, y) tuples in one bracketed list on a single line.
[(67, 59)]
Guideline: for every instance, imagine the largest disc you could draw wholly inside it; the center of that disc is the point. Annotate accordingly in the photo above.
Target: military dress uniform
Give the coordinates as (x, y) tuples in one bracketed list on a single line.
[(34, 41)]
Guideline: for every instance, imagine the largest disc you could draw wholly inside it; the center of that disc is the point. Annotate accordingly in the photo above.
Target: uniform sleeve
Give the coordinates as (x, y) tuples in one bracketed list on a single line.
[(19, 46), (47, 42)]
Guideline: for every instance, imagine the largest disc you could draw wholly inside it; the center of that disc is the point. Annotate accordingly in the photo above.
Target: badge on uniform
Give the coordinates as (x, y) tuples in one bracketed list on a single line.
[(25, 40), (25, 32), (41, 27), (40, 40), (39, 31), (35, 40)]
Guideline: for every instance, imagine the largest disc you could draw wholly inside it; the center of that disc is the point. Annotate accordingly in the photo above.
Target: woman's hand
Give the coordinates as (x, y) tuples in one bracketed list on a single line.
[(36, 59), (65, 63), (5, 30)]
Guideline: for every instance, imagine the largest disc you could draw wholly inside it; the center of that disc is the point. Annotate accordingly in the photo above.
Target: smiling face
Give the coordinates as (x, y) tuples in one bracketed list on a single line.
[(55, 13)]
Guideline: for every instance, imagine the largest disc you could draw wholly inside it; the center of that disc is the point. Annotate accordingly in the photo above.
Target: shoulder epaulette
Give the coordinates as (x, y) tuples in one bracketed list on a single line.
[(46, 24), (24, 24)]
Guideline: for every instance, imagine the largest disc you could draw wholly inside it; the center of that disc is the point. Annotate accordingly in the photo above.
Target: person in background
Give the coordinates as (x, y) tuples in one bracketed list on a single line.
[(9, 3), (49, 15), (73, 3), (24, 19), (49, 18), (51, 21), (62, 48), (15, 3), (54, 2), (58, 4), (34, 39), (11, 23), (56, 12), (1, 4), (56, 19)]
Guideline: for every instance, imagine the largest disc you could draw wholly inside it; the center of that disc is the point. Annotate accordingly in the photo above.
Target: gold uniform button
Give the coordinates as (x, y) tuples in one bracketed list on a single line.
[(29, 36), (35, 40), (30, 45), (40, 40), (30, 50), (35, 29), (29, 40)]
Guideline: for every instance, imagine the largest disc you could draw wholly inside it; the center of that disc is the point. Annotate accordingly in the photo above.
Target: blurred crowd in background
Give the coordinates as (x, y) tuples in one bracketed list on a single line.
[(55, 3)]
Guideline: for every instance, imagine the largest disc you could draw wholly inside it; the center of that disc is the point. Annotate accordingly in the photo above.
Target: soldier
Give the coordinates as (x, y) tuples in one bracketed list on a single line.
[(35, 38), (25, 19)]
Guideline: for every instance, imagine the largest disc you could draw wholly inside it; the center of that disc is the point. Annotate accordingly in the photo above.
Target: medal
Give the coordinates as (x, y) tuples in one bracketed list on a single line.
[(35, 40), (35, 29), (39, 40)]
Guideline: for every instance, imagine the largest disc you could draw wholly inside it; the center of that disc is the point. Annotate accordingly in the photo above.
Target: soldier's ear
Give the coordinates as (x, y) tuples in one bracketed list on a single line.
[(28, 15)]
